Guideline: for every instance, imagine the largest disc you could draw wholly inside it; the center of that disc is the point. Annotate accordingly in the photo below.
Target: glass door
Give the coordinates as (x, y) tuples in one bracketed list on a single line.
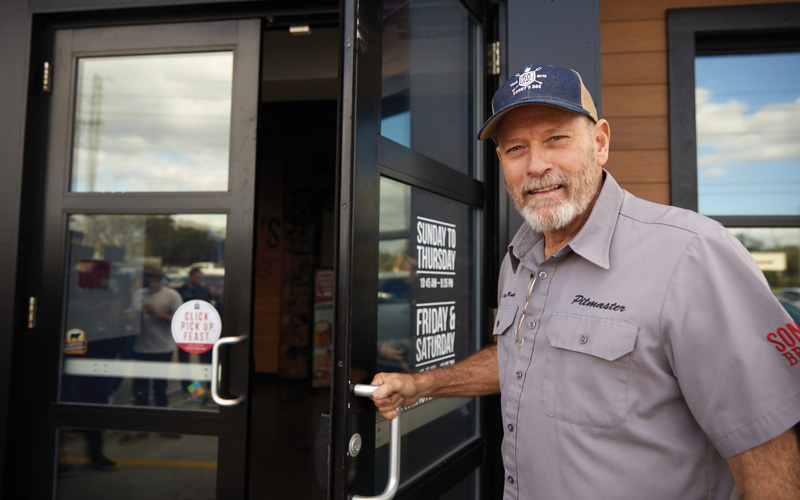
[(144, 310), (411, 242)]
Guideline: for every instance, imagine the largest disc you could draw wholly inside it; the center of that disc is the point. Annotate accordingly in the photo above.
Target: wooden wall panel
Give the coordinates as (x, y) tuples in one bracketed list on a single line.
[(636, 36), (635, 10), (635, 91), (633, 67), (639, 133), (635, 100), (653, 191), (639, 165)]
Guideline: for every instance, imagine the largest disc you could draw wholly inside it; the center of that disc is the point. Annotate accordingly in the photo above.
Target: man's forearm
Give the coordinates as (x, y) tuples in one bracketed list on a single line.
[(770, 471), (475, 376)]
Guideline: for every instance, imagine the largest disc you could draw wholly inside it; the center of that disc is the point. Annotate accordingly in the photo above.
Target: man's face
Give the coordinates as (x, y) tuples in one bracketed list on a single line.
[(196, 278), (151, 279), (552, 163)]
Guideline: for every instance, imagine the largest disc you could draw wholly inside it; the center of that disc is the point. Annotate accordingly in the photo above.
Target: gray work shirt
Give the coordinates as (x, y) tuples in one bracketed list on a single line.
[(651, 350)]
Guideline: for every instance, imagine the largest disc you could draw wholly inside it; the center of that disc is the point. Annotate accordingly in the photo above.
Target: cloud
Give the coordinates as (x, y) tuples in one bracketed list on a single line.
[(731, 133), (162, 122), (716, 171)]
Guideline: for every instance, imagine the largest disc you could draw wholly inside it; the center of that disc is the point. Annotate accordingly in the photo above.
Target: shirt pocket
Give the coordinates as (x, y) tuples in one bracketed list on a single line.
[(503, 324), (504, 319), (587, 369)]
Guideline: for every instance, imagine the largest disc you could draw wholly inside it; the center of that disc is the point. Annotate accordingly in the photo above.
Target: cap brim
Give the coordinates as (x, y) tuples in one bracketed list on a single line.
[(489, 128)]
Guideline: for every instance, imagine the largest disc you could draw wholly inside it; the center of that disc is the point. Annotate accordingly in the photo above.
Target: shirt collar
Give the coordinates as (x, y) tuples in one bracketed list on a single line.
[(593, 241)]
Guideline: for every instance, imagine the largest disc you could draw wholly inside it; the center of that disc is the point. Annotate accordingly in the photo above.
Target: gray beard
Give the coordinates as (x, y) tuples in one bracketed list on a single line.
[(554, 216)]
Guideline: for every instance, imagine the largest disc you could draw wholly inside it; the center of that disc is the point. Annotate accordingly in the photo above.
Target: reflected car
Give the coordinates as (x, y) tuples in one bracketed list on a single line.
[(175, 277), (790, 295), (394, 320), (793, 310), (204, 266), (214, 280)]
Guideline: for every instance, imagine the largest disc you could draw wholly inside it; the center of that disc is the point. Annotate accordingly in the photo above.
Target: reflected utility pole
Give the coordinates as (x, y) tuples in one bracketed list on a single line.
[(94, 129)]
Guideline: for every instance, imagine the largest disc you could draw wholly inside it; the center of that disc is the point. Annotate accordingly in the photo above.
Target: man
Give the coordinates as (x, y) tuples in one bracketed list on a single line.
[(193, 289), (637, 354), (157, 304)]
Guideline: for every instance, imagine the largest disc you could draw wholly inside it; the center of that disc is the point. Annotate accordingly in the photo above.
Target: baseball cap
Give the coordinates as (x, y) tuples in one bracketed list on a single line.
[(550, 85)]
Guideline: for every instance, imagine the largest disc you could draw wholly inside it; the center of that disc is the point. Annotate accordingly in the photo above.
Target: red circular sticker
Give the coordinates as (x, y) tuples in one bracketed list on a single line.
[(196, 326)]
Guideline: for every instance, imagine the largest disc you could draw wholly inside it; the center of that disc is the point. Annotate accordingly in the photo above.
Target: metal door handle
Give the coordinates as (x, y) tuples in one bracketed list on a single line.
[(215, 372), (393, 483)]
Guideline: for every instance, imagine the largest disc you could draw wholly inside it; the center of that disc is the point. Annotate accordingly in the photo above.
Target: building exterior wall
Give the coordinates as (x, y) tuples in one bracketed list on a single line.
[(548, 33), (635, 88)]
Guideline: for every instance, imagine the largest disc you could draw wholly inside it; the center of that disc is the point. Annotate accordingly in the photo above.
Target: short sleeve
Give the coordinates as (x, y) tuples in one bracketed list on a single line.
[(720, 322), (177, 301)]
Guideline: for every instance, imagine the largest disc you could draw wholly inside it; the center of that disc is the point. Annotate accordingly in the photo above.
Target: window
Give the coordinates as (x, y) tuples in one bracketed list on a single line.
[(428, 80), (735, 126), (153, 122)]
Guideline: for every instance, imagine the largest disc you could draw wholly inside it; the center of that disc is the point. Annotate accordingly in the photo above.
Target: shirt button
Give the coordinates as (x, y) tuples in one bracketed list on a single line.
[(519, 375), (543, 275), (532, 324), (584, 339), (510, 479), (510, 427)]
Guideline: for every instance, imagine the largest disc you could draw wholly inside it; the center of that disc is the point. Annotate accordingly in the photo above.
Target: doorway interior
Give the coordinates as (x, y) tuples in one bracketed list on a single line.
[(294, 259)]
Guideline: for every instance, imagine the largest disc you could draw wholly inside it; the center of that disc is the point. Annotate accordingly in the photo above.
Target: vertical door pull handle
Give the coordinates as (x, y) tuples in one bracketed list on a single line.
[(216, 373), (393, 483)]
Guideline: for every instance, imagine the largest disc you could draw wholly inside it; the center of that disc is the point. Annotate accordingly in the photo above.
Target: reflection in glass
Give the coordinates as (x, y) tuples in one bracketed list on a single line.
[(429, 75), (428, 314), (776, 250), (152, 466), (126, 277), (152, 123), (748, 159)]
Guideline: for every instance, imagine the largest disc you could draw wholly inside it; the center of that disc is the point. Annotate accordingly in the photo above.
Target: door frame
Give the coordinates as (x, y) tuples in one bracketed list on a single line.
[(363, 158), (42, 343)]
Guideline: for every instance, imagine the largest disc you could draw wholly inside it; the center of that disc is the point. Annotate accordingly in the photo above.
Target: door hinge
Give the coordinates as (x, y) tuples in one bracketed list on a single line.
[(46, 78), (32, 312), (493, 58)]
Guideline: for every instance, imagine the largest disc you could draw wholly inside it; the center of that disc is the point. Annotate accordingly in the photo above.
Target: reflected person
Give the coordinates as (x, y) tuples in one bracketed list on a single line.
[(636, 349), (157, 304)]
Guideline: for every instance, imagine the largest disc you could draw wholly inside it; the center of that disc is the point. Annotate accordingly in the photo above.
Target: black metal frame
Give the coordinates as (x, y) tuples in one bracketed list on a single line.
[(365, 156), (717, 30), (37, 349)]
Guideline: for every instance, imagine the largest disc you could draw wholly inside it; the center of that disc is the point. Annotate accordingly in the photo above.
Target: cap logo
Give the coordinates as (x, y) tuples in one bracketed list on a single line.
[(527, 80)]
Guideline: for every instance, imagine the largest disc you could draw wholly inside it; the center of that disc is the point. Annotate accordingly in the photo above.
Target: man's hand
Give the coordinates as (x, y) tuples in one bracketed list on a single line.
[(475, 376), (389, 351), (151, 310), (396, 390)]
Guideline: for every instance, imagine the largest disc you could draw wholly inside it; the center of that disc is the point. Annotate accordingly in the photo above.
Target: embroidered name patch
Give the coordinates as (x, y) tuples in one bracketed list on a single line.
[(588, 302)]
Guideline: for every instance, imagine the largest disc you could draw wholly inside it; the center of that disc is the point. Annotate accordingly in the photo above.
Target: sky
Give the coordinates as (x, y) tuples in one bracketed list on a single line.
[(161, 122), (748, 131)]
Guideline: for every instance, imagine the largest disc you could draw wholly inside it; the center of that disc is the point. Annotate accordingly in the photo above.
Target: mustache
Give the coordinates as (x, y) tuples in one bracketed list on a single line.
[(539, 183)]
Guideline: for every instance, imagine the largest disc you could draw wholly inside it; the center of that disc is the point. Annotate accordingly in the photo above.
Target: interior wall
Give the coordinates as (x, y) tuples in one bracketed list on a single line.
[(296, 166), (267, 272), (294, 230), (633, 47)]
